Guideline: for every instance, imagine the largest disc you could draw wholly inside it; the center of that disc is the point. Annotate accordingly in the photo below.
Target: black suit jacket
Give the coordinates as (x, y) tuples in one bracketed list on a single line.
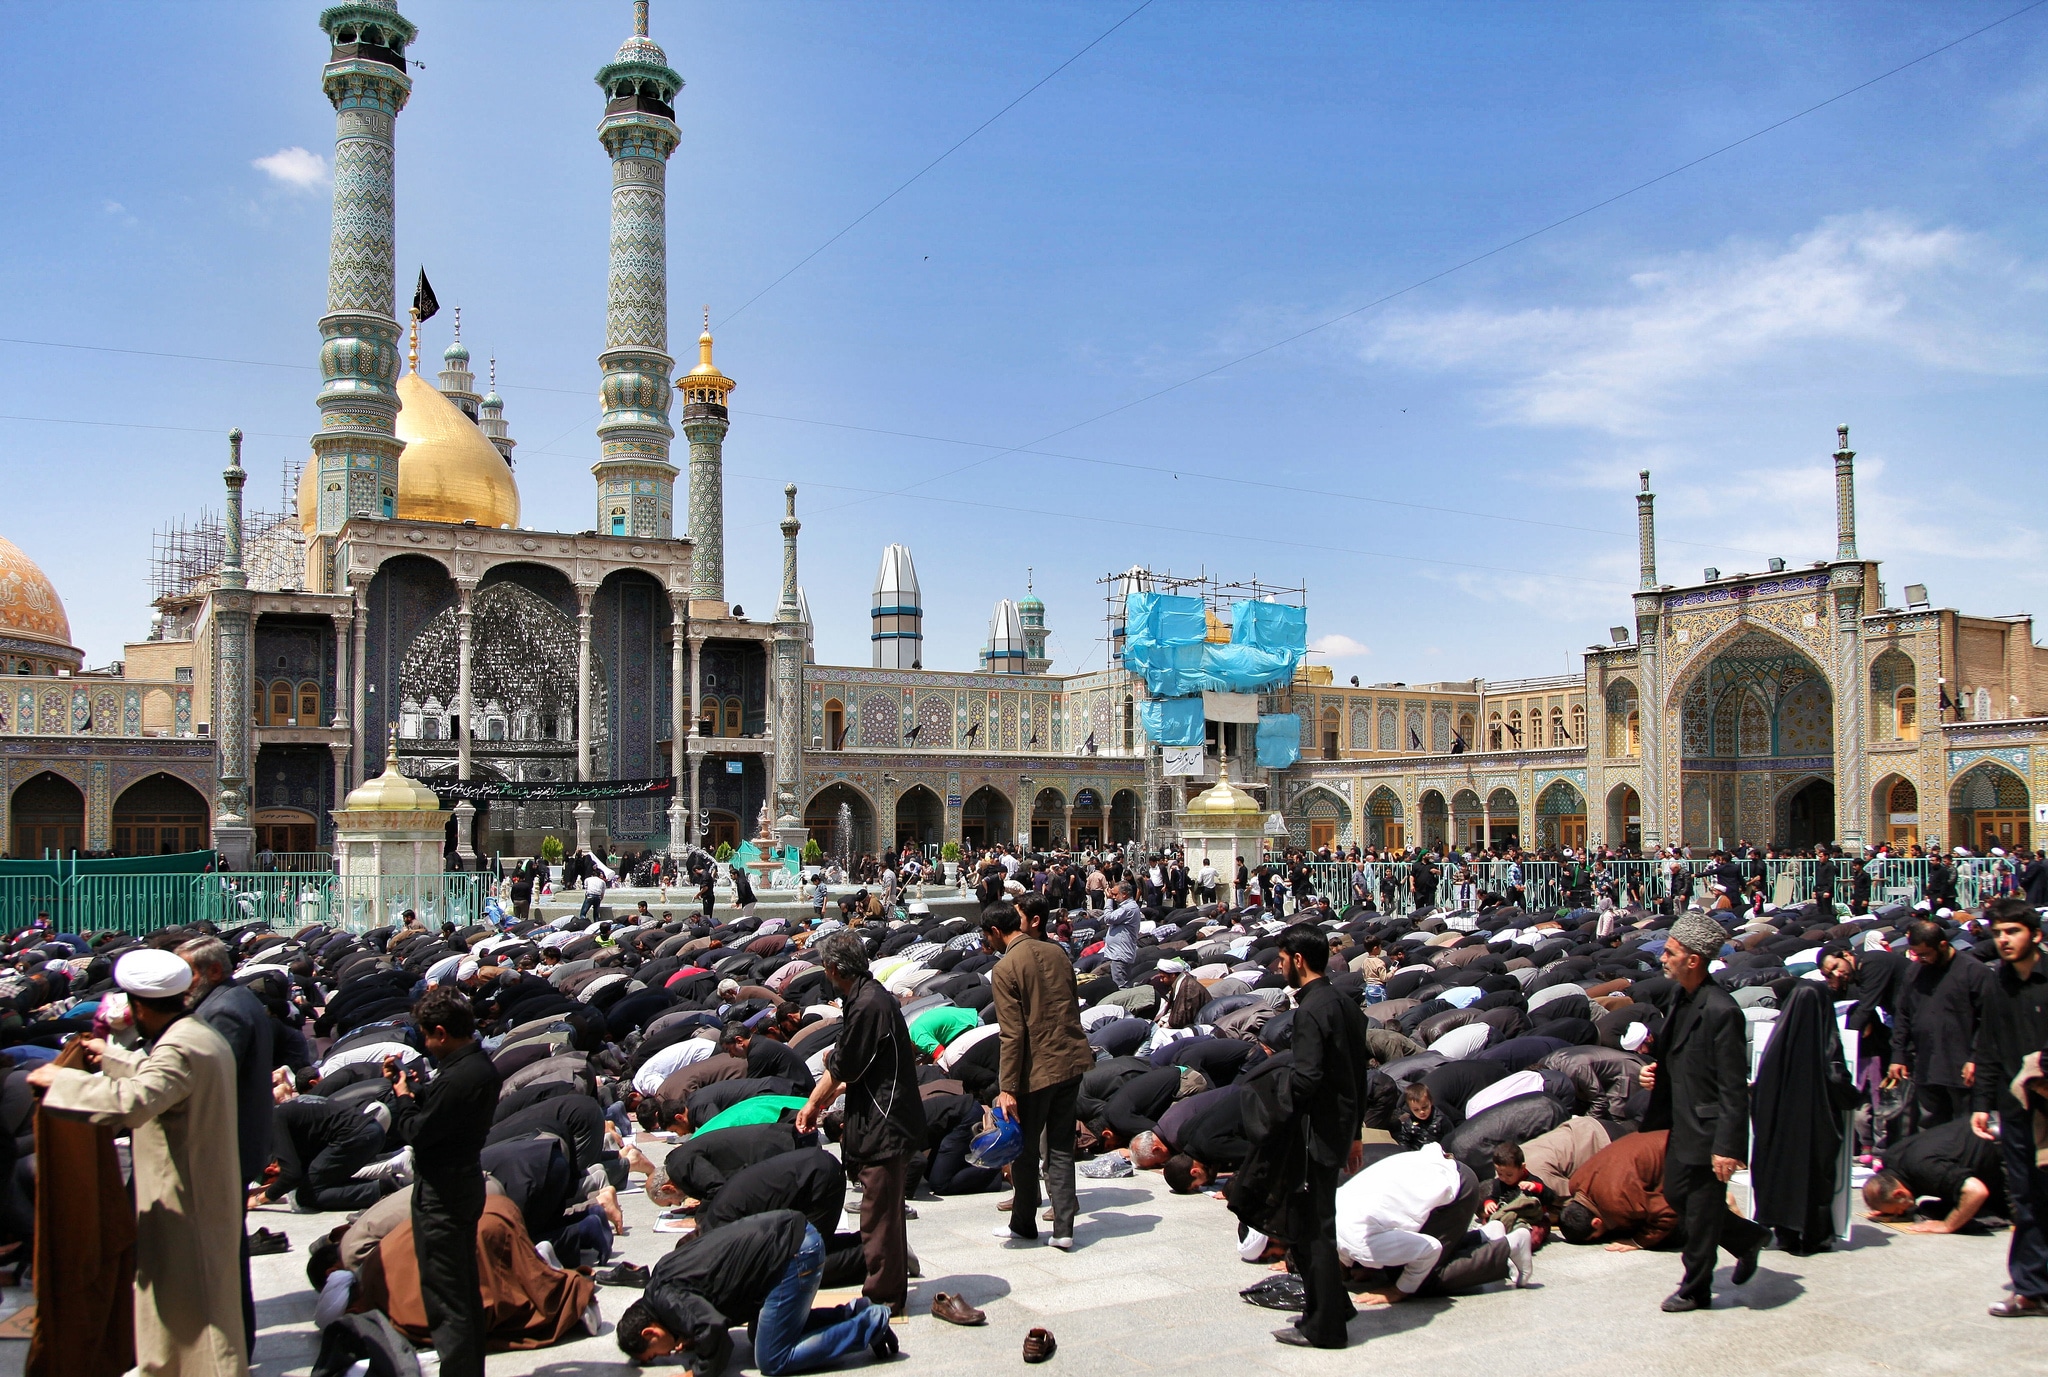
[(1702, 1090), (1332, 1063)]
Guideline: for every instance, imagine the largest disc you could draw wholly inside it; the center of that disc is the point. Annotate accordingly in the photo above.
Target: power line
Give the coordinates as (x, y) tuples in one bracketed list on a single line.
[(1480, 257), (935, 162)]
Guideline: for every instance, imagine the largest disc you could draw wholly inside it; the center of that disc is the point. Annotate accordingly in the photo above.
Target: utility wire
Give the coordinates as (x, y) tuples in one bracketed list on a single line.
[(1498, 249), (852, 224)]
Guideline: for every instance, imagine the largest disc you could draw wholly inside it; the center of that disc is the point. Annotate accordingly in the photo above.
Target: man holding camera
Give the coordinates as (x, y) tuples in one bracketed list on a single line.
[(445, 1122)]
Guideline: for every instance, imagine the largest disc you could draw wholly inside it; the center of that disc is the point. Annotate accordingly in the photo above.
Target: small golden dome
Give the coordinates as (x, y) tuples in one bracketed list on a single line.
[(30, 609), (449, 470), (309, 495), (1223, 799), (706, 370), (392, 791)]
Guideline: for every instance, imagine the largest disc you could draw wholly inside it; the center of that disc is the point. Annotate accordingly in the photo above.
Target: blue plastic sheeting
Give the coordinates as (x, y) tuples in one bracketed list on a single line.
[(1172, 721), (1164, 619), (1165, 643), (1279, 740), (1270, 626)]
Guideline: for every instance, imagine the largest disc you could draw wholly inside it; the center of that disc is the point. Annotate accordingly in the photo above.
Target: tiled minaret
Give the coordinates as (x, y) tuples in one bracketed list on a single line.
[(635, 481)]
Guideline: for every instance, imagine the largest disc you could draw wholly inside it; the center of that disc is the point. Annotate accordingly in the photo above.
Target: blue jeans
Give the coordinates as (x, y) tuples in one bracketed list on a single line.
[(789, 1336), (590, 903)]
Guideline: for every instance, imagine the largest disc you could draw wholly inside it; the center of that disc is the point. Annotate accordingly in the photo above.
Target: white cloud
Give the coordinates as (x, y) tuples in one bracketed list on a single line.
[(1870, 285), (1338, 645), (293, 167), (114, 208)]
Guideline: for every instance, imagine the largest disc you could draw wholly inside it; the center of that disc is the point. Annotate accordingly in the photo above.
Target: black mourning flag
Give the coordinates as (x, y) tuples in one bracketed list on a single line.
[(424, 304), (1458, 744)]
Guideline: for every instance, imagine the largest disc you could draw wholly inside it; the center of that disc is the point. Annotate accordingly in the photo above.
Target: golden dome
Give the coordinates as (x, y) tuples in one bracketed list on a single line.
[(30, 609), (392, 791), (1223, 799), (706, 372), (309, 495), (449, 471)]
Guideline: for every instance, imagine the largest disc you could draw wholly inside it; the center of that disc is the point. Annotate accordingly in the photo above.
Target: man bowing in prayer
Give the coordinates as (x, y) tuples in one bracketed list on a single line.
[(176, 1096)]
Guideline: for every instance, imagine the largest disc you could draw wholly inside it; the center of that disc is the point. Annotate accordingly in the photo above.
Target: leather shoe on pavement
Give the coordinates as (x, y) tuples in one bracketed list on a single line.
[(1039, 1345), (955, 1310), (1676, 1304), (1745, 1266), (2019, 1307), (1292, 1337)]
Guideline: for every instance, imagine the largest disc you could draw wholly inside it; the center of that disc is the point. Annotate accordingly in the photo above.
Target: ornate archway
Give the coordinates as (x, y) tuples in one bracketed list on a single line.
[(1383, 822), (846, 834), (1755, 719), (1436, 826), (986, 818), (1326, 818), (1988, 805), (1561, 815), (920, 818)]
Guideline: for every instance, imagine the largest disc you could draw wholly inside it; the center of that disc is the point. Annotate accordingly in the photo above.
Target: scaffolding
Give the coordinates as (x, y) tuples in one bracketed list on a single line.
[(1160, 815), (186, 555)]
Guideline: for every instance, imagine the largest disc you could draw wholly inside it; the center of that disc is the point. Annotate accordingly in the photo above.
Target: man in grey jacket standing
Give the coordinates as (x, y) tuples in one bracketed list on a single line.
[(1120, 941)]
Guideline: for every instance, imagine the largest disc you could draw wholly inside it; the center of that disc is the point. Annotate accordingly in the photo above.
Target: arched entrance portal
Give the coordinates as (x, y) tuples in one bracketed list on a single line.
[(1624, 817), (1436, 827), (1384, 830), (1084, 820), (49, 815), (843, 835), (920, 819), (1987, 807), (1810, 815), (986, 818), (1561, 816), (1895, 805), (1123, 817), (1048, 820)]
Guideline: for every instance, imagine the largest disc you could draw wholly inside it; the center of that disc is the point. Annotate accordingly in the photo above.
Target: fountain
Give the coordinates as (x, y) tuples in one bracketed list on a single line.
[(842, 836), (763, 861)]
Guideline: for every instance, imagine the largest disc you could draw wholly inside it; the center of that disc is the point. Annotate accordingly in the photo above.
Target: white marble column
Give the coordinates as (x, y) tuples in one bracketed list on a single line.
[(583, 597), (678, 746)]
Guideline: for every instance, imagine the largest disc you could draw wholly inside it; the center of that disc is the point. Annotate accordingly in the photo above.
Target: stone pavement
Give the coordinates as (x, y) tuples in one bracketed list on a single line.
[(1153, 1282)]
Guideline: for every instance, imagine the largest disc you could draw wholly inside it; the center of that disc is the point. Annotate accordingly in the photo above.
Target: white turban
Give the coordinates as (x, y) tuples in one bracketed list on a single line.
[(1633, 1039), (467, 970), (153, 973)]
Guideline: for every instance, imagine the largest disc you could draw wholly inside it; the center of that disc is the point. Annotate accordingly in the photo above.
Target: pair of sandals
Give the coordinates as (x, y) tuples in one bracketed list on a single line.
[(1039, 1344)]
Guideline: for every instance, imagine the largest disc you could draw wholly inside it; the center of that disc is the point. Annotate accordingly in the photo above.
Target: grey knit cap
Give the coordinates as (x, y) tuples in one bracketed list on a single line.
[(1698, 933)]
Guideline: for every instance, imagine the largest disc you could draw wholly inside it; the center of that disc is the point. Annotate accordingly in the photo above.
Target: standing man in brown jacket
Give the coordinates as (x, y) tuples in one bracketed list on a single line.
[(1044, 1053)]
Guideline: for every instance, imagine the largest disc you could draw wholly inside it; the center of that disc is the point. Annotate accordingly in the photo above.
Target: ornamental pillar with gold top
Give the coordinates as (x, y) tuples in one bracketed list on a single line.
[(387, 832), (1223, 823), (705, 420)]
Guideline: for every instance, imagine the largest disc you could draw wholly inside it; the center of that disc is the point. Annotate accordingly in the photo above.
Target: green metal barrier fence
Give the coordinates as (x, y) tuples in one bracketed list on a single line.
[(144, 903)]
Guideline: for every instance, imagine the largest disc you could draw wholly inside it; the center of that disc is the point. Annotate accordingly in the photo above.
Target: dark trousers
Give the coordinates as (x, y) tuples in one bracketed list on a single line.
[(1701, 1199), (950, 1173), (2026, 1189), (1328, 1307), (1047, 1113), (885, 1242), (1939, 1104), (327, 1181), (444, 1220)]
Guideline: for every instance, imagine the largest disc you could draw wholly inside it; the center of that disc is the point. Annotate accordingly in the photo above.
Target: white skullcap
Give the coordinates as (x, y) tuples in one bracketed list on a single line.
[(153, 973), (728, 984), (1252, 1246), (467, 969), (1636, 1035)]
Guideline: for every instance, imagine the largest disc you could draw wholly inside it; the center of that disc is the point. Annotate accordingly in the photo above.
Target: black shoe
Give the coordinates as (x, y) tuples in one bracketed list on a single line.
[(1678, 1303), (625, 1274), (1745, 1264), (1292, 1337), (264, 1243)]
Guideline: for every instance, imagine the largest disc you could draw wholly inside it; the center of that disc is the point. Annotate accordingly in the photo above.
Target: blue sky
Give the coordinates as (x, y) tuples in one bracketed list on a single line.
[(1450, 472)]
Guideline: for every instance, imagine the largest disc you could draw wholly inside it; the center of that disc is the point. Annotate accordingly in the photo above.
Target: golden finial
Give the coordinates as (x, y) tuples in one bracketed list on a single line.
[(412, 351)]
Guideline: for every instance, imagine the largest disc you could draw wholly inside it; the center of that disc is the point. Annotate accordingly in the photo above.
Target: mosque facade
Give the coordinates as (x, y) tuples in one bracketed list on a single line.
[(600, 685)]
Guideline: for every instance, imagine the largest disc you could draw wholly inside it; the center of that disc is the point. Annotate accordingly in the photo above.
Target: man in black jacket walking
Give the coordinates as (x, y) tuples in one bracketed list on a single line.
[(875, 1063), (1327, 1085), (445, 1124), (1699, 1090), (2015, 1024), (1936, 1030)]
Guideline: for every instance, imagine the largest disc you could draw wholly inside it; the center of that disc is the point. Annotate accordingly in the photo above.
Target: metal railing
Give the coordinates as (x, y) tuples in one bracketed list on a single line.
[(298, 862), (141, 904)]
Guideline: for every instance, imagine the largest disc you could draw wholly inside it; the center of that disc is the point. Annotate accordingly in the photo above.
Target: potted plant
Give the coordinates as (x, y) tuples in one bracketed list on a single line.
[(949, 857), (724, 852), (551, 857), (814, 854)]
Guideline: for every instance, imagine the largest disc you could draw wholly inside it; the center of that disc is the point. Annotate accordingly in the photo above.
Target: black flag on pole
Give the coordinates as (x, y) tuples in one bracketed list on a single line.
[(423, 303)]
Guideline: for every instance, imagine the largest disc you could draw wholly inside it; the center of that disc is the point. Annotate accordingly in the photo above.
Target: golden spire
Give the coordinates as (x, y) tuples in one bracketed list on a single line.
[(701, 382), (704, 341), (412, 351)]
